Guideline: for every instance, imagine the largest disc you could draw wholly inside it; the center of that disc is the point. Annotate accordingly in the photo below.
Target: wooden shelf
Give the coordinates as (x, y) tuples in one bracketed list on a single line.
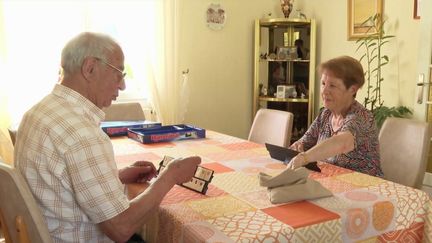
[(284, 60), (283, 22), (274, 99)]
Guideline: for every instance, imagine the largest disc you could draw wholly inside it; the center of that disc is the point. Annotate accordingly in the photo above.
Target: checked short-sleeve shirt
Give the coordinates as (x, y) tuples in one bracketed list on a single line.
[(69, 165), (360, 122)]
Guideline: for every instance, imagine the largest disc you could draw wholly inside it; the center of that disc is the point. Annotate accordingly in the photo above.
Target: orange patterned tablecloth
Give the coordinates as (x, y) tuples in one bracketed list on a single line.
[(237, 209)]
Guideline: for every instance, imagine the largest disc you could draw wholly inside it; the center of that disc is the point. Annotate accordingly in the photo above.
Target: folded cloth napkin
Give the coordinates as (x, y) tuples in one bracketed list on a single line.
[(292, 185)]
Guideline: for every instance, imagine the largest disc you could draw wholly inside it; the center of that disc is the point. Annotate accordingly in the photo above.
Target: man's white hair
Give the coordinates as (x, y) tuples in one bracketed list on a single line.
[(86, 44)]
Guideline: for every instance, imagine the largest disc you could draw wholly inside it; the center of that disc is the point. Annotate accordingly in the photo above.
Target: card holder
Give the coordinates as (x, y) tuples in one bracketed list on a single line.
[(199, 182)]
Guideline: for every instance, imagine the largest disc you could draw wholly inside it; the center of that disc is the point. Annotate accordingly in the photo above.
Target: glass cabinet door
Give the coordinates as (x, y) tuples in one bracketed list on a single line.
[(284, 76)]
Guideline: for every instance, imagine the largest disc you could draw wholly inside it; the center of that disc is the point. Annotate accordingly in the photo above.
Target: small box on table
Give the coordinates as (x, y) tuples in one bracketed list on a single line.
[(166, 133), (120, 128)]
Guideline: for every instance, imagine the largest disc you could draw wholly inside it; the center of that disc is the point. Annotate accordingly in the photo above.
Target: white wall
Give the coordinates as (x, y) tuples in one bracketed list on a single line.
[(221, 65)]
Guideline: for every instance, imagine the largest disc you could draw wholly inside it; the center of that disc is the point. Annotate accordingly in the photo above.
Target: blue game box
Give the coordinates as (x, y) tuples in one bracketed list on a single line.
[(120, 128), (166, 133)]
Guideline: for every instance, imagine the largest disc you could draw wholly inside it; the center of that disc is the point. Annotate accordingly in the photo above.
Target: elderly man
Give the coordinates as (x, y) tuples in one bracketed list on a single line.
[(68, 161)]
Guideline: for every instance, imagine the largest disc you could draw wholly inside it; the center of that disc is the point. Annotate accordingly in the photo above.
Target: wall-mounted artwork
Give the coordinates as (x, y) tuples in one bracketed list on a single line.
[(359, 11), (417, 9), (216, 16)]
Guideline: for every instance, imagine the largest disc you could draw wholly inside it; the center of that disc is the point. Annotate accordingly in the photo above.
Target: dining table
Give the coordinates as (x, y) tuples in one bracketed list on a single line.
[(235, 208)]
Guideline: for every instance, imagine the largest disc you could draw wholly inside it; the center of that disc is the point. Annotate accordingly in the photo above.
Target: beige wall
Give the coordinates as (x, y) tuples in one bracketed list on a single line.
[(221, 67), (400, 73)]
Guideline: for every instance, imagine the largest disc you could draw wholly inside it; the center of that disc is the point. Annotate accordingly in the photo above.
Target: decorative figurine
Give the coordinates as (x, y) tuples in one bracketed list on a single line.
[(264, 90), (287, 7), (300, 14)]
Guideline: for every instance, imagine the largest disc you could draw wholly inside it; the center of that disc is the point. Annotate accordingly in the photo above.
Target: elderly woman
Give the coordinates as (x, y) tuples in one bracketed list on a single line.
[(344, 133)]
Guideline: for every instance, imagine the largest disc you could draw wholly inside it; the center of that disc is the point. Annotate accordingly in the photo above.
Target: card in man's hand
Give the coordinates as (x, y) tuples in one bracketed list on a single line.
[(199, 181)]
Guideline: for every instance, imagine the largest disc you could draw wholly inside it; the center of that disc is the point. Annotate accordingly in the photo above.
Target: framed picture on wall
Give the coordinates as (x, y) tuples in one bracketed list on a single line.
[(363, 16), (417, 9)]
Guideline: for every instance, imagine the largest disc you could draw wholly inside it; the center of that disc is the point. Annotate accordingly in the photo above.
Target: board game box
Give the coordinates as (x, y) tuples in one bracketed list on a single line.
[(120, 128), (166, 133)]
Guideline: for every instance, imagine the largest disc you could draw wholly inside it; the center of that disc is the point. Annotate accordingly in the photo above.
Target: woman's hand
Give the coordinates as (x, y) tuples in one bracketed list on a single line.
[(297, 146), (140, 171)]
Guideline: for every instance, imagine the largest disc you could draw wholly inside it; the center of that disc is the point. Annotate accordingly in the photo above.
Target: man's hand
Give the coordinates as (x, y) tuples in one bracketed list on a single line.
[(140, 171), (182, 170)]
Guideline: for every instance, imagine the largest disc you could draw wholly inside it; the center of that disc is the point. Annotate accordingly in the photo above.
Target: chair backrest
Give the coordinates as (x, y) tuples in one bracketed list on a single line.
[(12, 134), (404, 148), (20, 217), (272, 126), (131, 111)]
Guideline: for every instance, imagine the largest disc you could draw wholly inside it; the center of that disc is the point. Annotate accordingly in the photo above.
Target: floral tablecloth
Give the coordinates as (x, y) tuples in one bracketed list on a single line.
[(237, 209)]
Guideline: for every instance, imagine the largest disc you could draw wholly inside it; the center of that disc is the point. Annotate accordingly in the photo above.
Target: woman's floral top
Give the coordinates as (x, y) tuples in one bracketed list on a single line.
[(360, 122)]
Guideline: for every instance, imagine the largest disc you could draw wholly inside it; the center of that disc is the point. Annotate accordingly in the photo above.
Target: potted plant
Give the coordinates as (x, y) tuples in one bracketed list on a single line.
[(375, 60)]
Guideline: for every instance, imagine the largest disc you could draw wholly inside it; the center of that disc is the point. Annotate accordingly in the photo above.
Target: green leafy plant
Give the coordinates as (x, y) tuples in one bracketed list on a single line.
[(382, 112), (375, 60)]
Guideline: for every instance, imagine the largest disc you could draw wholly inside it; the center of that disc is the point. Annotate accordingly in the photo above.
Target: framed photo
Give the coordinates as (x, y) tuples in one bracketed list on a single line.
[(283, 53), (417, 9), (359, 11)]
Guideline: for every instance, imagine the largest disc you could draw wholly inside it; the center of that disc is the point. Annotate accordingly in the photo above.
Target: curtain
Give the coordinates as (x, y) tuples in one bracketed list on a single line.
[(33, 33), (168, 86), (6, 148), (30, 46)]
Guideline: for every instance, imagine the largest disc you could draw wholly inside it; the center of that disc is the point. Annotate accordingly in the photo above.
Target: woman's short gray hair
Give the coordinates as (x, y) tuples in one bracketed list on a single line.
[(84, 45)]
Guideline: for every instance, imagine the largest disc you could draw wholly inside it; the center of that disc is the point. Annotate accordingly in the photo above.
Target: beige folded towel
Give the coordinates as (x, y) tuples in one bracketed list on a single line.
[(292, 185)]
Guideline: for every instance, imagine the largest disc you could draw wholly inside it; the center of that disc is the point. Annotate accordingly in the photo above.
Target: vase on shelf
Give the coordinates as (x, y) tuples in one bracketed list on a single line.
[(287, 7)]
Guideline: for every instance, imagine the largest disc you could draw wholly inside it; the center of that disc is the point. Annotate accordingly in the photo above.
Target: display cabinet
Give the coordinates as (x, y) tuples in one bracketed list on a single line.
[(284, 69)]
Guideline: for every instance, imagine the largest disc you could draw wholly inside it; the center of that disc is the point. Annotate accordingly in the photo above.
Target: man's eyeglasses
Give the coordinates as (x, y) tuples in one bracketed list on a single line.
[(123, 73)]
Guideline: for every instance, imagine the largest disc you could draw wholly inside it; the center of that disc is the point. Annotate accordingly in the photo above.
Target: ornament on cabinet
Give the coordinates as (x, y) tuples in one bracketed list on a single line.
[(287, 7), (264, 90), (216, 16), (272, 56), (300, 14)]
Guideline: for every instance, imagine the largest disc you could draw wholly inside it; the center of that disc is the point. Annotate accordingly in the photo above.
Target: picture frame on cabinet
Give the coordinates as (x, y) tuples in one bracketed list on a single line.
[(283, 53), (359, 11), (287, 53)]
